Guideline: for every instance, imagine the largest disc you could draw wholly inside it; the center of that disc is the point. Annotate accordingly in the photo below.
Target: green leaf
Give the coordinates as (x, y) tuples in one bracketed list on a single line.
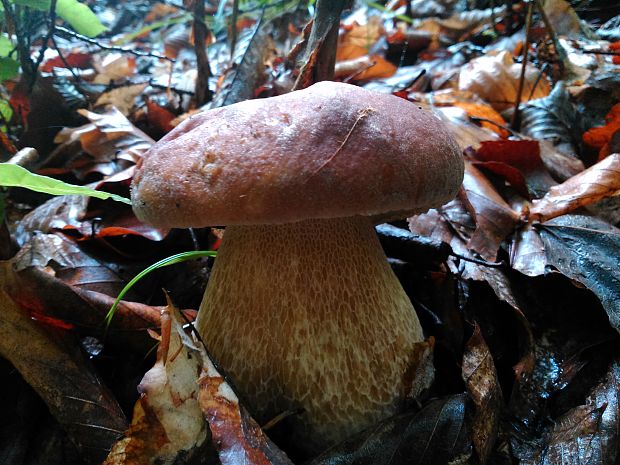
[(7, 113), (16, 176), (80, 17), (43, 5), (172, 260), (5, 110), (9, 68), (5, 45)]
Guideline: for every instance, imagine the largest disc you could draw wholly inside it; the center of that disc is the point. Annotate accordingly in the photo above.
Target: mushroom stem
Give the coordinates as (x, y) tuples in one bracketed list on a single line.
[(311, 315)]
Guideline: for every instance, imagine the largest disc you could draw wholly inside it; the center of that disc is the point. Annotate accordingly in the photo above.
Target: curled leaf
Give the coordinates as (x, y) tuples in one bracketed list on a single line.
[(598, 182)]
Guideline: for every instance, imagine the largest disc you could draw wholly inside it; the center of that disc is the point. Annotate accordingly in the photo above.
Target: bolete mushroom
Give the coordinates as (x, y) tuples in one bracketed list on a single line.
[(302, 308)]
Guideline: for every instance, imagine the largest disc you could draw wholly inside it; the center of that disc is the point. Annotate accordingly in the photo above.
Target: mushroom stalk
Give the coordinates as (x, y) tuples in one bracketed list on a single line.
[(310, 314)]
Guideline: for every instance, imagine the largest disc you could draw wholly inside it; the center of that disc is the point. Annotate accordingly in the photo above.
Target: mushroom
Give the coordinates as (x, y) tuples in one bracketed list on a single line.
[(302, 308)]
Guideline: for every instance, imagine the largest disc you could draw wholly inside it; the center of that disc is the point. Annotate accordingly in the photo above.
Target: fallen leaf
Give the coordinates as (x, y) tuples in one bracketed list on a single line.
[(600, 137), (552, 118), (587, 433), (167, 420), (598, 182), (517, 161), (483, 387), (110, 143), (53, 366), (364, 68), (493, 216), (122, 98), (81, 60), (436, 434), (586, 249), (486, 115), (496, 80)]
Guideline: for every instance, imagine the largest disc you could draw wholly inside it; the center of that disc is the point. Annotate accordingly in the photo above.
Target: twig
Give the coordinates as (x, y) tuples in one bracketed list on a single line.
[(528, 27), (554, 38), (319, 57), (49, 36), (495, 123), (601, 52), (201, 32), (64, 32), (233, 27), (478, 261)]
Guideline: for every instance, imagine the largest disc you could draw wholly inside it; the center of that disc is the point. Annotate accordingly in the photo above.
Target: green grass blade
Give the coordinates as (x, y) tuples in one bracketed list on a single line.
[(172, 260), (16, 176)]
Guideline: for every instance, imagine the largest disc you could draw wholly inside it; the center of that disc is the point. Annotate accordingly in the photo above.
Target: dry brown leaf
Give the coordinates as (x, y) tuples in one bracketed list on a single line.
[(110, 141), (114, 66), (495, 78), (167, 420), (122, 98), (362, 36), (180, 396), (598, 182)]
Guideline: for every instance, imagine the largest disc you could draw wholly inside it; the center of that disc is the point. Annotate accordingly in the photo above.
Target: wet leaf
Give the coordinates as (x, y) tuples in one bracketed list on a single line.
[(483, 387), (79, 60), (587, 433), (122, 98), (53, 366), (494, 218), (552, 118), (586, 250), (517, 161), (436, 434), (598, 182), (182, 395)]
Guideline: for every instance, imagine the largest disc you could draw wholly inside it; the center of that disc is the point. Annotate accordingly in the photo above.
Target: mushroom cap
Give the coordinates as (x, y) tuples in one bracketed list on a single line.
[(331, 150)]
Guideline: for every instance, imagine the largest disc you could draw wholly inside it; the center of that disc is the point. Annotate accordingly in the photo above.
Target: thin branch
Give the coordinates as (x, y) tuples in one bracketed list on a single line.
[(233, 27), (64, 32), (528, 30), (201, 33), (319, 56), (49, 36)]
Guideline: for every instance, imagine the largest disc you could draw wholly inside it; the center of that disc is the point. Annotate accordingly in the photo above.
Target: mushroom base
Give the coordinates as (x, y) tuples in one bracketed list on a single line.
[(311, 315)]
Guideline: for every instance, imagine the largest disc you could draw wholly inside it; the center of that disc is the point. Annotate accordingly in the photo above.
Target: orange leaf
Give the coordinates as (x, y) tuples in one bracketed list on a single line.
[(480, 110), (159, 117), (599, 136)]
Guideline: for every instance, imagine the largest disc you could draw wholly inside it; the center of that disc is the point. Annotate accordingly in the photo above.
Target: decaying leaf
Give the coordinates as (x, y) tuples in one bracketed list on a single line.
[(110, 141), (496, 80), (493, 216), (483, 386), (586, 249), (587, 433), (122, 98), (183, 397), (53, 366), (552, 118), (598, 182), (518, 162), (436, 434), (167, 420)]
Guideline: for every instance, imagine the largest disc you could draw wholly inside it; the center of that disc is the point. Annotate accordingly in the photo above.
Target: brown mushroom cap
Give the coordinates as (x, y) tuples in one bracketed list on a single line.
[(329, 151)]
